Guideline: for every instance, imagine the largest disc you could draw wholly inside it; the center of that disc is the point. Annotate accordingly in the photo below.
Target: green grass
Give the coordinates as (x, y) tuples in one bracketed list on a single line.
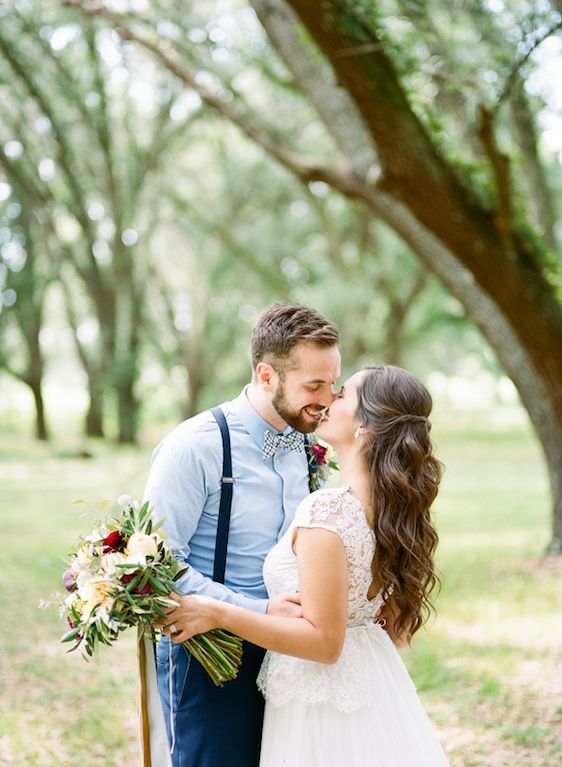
[(489, 668)]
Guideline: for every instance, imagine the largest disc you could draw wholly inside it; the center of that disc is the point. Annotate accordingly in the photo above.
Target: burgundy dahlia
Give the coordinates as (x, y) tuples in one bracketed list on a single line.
[(113, 542)]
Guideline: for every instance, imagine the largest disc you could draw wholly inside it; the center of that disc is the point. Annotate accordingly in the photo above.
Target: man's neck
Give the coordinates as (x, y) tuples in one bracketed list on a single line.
[(263, 407)]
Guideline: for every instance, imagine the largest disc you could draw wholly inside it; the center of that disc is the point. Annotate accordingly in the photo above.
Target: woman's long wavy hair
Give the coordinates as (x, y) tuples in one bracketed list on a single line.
[(394, 410)]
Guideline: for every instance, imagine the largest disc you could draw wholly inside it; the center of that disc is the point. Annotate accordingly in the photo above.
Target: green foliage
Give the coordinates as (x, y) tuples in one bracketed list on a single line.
[(222, 229)]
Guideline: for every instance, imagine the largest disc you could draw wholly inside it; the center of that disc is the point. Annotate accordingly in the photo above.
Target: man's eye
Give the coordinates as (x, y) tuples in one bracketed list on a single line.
[(313, 388)]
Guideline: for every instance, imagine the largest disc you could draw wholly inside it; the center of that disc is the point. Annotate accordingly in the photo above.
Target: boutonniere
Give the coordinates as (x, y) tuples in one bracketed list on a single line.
[(321, 462)]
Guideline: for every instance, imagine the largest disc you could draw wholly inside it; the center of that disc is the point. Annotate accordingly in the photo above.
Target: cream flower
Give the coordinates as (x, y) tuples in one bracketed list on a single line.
[(141, 543), (135, 561), (84, 556), (95, 593), (109, 562)]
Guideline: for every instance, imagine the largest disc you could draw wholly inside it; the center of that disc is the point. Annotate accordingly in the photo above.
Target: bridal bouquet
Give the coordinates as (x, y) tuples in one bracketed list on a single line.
[(121, 575)]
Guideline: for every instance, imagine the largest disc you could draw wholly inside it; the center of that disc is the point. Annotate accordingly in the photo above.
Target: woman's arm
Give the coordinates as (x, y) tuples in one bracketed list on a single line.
[(318, 635)]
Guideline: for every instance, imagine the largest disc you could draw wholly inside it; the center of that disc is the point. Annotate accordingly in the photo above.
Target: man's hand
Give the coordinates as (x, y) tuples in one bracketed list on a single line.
[(285, 606)]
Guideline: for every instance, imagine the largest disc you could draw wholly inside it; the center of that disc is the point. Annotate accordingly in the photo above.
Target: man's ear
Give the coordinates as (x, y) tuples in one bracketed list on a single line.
[(267, 377)]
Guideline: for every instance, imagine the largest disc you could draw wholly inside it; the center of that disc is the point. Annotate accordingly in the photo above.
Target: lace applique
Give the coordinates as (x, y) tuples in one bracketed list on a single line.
[(343, 683)]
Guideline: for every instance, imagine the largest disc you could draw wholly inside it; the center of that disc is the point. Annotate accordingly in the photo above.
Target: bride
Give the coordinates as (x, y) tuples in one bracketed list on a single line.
[(361, 556)]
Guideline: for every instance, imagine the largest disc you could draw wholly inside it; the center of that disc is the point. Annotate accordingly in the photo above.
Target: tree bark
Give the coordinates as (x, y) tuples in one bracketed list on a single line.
[(315, 78), (127, 411), (41, 430), (94, 414), (539, 396)]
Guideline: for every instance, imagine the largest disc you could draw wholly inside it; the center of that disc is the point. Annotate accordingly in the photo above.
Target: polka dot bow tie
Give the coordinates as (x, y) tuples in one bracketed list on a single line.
[(274, 442)]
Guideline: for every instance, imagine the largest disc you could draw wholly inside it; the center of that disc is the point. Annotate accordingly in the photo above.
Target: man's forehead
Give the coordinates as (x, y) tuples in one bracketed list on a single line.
[(317, 365), (329, 379)]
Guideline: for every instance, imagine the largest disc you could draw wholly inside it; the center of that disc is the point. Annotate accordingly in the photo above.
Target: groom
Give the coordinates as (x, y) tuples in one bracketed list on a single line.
[(295, 362)]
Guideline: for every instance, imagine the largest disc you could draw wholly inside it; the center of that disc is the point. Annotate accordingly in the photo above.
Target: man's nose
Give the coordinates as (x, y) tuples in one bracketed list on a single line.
[(327, 398)]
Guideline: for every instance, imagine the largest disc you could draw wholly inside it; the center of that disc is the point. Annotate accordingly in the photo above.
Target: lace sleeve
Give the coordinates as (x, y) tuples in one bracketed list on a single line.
[(324, 509)]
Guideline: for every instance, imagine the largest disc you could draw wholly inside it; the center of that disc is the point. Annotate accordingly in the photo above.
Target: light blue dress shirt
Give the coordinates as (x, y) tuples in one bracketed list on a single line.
[(184, 487)]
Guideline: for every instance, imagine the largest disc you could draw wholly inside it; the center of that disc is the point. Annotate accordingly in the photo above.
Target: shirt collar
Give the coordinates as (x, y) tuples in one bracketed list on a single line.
[(251, 420)]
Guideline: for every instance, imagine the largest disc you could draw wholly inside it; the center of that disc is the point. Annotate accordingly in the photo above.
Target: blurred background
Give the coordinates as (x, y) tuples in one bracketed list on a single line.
[(167, 170)]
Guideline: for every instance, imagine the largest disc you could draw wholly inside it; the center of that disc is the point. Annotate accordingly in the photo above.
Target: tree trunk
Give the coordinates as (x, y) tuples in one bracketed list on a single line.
[(497, 273), (194, 386), (127, 412), (94, 416), (539, 391), (127, 327), (41, 430)]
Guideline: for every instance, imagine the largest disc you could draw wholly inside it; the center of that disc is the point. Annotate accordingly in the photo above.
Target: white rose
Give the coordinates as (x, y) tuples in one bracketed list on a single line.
[(135, 561), (94, 593), (84, 556), (124, 500), (140, 543), (110, 560)]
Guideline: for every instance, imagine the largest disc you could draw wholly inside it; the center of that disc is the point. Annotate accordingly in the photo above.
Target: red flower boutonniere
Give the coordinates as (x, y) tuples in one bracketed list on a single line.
[(321, 462)]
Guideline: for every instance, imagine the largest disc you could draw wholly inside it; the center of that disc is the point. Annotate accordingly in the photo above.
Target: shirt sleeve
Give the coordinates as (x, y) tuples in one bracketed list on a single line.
[(184, 467)]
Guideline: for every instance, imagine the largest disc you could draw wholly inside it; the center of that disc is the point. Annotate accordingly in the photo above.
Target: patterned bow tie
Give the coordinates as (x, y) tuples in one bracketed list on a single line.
[(274, 442)]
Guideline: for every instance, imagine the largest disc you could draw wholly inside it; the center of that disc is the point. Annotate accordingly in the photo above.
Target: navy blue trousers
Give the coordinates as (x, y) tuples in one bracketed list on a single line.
[(214, 726)]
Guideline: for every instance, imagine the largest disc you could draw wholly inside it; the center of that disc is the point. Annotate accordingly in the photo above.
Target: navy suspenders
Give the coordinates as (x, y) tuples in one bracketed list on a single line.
[(225, 506)]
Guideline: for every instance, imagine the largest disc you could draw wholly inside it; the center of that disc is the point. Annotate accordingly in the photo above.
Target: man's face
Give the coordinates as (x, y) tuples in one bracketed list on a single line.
[(306, 388)]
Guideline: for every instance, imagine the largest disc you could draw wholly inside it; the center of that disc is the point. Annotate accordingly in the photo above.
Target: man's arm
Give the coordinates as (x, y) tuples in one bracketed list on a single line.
[(177, 488)]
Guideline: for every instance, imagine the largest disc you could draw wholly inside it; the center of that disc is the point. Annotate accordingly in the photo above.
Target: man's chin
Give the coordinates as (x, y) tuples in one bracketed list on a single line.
[(305, 426)]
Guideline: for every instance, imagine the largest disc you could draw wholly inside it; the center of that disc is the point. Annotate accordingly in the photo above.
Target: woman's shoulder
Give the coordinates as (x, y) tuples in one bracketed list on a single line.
[(322, 505)]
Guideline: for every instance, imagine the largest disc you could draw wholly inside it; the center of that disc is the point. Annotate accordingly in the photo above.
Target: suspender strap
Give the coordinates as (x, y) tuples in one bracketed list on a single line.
[(223, 526)]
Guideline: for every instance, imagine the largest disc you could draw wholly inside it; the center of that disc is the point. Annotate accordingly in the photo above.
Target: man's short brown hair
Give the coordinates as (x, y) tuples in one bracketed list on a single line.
[(282, 326)]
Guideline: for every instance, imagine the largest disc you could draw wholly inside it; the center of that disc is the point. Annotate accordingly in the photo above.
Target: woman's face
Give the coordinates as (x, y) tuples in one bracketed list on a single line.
[(341, 423)]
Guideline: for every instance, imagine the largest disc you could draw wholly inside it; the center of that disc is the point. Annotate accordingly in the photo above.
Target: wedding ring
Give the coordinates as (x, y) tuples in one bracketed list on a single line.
[(173, 629)]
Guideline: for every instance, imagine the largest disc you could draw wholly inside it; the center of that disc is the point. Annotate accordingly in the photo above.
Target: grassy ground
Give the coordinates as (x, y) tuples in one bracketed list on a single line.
[(489, 669)]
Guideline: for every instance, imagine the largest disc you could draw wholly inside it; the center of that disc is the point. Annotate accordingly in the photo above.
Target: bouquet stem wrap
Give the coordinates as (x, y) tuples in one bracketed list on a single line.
[(144, 728), (154, 746)]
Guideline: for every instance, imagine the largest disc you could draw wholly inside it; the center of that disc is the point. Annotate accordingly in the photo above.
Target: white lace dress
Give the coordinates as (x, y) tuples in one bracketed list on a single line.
[(363, 710)]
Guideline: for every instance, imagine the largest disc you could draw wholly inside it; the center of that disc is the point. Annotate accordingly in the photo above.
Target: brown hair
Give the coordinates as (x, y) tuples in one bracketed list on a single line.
[(394, 407), (282, 326)]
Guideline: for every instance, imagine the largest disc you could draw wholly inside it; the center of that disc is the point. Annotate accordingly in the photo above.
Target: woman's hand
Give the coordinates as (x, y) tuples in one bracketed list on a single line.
[(194, 615)]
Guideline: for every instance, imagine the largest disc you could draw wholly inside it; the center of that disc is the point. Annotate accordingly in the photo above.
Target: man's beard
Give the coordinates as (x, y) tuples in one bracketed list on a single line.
[(295, 418)]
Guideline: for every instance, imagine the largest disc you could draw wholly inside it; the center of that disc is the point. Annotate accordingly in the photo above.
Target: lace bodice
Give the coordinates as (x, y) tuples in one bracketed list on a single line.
[(282, 677), (339, 511)]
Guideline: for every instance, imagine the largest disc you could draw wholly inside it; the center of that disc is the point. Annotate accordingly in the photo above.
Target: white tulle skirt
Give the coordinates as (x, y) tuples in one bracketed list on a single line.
[(388, 728)]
